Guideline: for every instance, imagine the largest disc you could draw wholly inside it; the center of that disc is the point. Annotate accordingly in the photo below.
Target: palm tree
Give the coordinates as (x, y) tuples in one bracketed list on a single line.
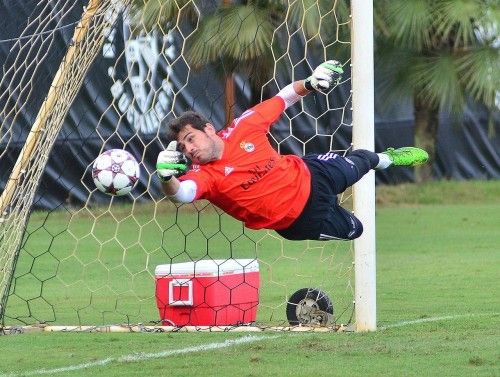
[(439, 53), (235, 38), (238, 37)]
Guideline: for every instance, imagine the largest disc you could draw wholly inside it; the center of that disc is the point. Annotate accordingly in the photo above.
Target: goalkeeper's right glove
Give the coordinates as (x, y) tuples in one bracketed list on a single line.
[(325, 76), (170, 162)]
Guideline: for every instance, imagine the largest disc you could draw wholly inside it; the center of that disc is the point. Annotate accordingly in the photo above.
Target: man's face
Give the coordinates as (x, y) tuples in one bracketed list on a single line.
[(199, 146)]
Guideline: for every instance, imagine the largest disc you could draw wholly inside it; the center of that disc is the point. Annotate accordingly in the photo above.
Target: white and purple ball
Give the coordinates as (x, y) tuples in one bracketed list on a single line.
[(115, 172)]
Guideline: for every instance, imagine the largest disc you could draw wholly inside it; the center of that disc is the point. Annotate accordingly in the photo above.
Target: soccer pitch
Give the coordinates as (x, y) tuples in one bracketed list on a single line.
[(438, 312)]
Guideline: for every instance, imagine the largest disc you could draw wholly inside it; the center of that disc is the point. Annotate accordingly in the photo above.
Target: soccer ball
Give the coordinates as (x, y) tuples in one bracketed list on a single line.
[(115, 172)]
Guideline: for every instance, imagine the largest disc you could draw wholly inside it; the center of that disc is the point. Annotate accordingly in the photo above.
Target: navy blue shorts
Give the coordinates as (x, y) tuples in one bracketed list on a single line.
[(323, 218)]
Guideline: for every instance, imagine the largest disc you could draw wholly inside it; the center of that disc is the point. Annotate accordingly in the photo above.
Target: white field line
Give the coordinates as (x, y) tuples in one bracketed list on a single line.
[(436, 319), (136, 357)]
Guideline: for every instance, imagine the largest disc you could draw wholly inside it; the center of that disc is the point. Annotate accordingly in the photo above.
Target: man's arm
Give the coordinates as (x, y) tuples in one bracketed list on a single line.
[(299, 88), (292, 93), (171, 187), (181, 192)]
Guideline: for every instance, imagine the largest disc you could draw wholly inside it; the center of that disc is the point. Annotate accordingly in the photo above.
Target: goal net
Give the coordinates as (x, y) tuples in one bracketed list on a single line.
[(79, 79)]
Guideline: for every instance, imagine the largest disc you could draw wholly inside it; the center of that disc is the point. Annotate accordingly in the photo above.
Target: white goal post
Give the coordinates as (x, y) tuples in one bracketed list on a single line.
[(364, 138)]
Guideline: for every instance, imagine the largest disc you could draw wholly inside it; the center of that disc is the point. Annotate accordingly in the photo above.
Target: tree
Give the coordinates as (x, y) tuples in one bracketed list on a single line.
[(235, 38), (439, 53)]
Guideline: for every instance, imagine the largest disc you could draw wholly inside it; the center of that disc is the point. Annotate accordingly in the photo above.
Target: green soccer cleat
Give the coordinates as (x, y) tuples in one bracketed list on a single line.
[(407, 156)]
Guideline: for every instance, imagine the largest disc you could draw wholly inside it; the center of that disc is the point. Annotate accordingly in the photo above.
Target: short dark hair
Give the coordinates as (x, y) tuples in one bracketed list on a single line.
[(192, 118)]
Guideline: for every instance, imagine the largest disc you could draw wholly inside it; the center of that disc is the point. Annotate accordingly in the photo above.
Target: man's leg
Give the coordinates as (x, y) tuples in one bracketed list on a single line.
[(331, 174), (343, 172), (340, 224), (346, 171), (364, 161), (322, 217)]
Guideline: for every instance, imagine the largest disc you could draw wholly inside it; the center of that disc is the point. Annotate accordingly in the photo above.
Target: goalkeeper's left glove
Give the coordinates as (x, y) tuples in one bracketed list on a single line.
[(170, 162), (325, 76)]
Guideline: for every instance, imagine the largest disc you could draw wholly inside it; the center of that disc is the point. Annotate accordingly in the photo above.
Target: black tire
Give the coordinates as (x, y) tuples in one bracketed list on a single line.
[(309, 306)]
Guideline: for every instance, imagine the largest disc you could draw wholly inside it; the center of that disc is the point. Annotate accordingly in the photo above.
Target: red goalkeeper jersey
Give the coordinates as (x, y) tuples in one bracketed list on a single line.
[(252, 182)]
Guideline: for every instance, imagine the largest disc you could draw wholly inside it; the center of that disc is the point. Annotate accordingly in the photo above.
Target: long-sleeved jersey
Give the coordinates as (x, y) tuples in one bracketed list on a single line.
[(252, 182)]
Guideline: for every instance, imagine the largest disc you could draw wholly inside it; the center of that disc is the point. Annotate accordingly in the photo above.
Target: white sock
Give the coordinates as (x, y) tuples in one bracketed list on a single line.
[(383, 161)]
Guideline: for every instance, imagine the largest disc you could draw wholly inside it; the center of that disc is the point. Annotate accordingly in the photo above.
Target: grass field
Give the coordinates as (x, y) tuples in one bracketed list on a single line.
[(438, 270)]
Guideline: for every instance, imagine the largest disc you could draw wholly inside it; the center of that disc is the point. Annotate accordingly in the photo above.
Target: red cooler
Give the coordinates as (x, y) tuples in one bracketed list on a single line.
[(222, 292)]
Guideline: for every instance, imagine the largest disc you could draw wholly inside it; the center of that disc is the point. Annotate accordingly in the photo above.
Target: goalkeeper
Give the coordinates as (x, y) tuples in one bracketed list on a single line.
[(238, 170)]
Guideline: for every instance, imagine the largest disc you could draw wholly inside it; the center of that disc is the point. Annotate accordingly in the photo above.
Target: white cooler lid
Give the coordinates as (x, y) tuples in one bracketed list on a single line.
[(209, 266)]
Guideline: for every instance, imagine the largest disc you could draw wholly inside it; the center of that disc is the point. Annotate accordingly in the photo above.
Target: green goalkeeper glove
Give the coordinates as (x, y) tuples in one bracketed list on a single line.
[(325, 76), (170, 162)]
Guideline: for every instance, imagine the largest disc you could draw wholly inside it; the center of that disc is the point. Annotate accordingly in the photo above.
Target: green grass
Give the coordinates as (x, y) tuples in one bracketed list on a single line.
[(438, 304), (439, 192), (462, 347)]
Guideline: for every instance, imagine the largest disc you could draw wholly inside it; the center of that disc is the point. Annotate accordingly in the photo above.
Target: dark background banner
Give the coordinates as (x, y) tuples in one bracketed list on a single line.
[(101, 118)]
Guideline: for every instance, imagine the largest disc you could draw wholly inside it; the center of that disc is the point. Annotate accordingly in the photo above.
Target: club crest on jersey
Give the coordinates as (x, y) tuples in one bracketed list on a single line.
[(247, 147), (228, 170)]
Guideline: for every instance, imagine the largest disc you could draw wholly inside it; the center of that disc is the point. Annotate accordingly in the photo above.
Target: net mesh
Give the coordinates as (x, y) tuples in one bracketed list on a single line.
[(70, 254)]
